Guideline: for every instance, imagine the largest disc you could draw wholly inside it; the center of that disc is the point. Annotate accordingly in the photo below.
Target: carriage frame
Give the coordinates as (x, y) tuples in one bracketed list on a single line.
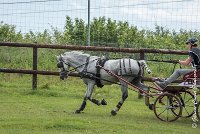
[(174, 101)]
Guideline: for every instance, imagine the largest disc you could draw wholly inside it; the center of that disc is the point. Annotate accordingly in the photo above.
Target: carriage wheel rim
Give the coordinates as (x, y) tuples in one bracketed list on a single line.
[(168, 108), (198, 110), (187, 106)]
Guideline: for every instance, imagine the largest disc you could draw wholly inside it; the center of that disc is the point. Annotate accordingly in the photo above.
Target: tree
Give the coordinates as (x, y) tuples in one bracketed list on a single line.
[(8, 33)]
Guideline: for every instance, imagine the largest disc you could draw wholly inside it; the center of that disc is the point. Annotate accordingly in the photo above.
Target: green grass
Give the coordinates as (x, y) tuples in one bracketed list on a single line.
[(50, 110)]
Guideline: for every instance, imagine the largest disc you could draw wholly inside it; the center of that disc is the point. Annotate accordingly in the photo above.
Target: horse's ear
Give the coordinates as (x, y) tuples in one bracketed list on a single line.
[(58, 57)]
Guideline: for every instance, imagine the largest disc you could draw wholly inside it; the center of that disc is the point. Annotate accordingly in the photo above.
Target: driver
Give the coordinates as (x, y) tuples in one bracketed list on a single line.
[(193, 59)]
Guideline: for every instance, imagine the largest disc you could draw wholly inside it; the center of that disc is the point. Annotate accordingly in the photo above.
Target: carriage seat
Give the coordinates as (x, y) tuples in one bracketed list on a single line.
[(189, 77)]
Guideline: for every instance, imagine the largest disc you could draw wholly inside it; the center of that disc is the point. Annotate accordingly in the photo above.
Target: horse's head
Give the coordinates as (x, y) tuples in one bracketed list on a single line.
[(144, 66), (63, 65)]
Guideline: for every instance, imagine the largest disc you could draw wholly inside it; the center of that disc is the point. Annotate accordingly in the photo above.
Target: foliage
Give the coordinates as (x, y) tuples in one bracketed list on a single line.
[(104, 32), (8, 33)]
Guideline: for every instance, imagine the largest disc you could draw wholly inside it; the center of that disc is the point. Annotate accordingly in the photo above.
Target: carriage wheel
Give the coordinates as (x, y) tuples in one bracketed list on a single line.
[(186, 99), (198, 110), (167, 107)]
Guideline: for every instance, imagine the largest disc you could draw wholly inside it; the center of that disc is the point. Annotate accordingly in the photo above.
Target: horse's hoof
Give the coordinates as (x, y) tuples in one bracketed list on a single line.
[(151, 106), (103, 102), (113, 112), (77, 112), (140, 95)]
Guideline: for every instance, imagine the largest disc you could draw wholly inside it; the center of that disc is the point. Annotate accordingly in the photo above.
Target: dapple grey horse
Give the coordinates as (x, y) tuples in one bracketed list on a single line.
[(86, 65)]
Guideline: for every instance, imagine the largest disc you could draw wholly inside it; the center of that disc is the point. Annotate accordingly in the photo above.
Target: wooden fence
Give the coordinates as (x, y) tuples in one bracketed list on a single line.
[(35, 48)]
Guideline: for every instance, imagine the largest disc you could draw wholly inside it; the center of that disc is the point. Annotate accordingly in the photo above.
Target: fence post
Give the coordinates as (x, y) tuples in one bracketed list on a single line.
[(88, 22), (141, 58), (141, 55), (34, 76)]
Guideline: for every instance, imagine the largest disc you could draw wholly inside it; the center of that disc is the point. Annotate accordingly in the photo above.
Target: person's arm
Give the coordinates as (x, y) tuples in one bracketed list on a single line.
[(186, 62)]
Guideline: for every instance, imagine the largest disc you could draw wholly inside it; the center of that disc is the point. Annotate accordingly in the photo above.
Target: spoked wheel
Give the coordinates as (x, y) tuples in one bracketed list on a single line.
[(198, 110), (186, 99), (167, 107)]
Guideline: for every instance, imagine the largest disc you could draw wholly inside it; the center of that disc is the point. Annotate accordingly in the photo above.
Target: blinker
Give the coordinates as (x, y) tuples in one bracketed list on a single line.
[(60, 65)]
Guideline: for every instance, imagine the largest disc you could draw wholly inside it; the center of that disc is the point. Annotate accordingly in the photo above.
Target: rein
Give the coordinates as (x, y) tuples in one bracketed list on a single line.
[(168, 61), (175, 62), (74, 69)]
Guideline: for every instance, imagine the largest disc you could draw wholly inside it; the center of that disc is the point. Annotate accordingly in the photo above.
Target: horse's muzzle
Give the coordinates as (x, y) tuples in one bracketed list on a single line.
[(63, 75)]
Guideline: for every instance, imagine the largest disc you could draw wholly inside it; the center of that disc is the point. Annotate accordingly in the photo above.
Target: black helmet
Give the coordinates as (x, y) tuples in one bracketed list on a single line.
[(191, 40)]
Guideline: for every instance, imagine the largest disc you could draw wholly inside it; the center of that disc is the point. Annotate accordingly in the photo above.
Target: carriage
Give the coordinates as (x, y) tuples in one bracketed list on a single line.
[(175, 101), (168, 104), (178, 100)]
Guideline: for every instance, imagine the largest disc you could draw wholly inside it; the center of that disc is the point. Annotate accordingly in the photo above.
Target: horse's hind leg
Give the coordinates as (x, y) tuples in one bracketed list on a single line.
[(124, 96)]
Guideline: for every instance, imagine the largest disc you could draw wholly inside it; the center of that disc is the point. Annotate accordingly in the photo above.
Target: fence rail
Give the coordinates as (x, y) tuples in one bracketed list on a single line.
[(94, 48), (35, 47)]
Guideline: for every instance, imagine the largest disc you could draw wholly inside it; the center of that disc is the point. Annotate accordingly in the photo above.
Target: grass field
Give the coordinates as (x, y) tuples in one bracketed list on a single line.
[(50, 110)]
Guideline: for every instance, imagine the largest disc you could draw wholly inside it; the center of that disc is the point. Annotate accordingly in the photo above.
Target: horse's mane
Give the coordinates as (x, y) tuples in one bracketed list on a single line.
[(77, 55)]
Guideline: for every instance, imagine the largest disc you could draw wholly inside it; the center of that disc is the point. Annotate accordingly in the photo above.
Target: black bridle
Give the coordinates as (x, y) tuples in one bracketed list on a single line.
[(62, 62)]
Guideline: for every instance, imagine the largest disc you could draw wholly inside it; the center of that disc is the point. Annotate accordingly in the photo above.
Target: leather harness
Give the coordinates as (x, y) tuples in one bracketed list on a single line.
[(100, 62), (122, 66), (97, 76), (94, 76)]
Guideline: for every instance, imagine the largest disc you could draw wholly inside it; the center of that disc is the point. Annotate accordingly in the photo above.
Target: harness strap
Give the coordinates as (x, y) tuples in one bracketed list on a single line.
[(140, 73), (120, 67), (130, 66), (85, 68), (124, 66), (127, 70), (94, 76), (86, 65), (100, 63)]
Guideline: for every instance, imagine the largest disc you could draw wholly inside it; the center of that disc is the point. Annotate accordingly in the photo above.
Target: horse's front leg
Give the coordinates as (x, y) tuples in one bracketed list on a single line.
[(88, 94), (89, 90), (82, 107), (97, 102), (124, 91)]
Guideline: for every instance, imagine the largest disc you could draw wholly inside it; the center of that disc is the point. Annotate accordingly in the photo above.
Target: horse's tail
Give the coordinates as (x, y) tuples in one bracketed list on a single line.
[(144, 66)]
